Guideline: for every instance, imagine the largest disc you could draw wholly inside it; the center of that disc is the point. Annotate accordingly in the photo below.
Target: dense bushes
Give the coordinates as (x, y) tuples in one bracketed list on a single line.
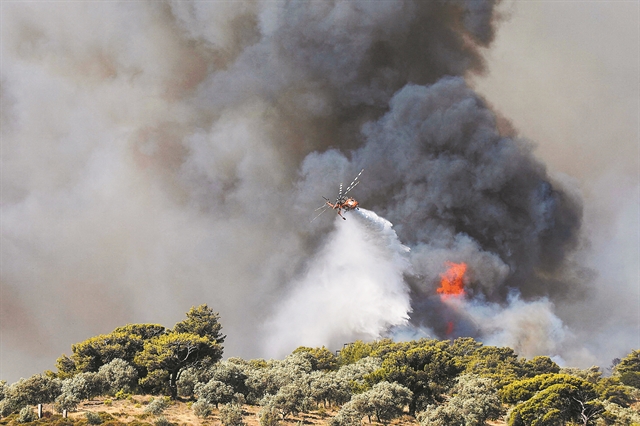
[(473, 401), (157, 354), (37, 389), (439, 382)]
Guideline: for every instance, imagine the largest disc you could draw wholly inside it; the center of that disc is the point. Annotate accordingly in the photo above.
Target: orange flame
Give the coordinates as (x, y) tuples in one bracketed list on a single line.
[(451, 283), (450, 327)]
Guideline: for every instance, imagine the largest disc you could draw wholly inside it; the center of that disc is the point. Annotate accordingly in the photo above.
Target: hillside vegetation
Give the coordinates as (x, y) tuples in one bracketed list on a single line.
[(148, 374)]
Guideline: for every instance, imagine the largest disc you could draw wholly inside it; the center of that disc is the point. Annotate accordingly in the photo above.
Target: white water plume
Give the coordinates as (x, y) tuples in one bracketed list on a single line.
[(353, 289)]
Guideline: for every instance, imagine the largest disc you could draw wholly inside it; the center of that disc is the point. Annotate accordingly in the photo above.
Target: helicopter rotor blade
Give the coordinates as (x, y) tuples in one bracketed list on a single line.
[(354, 183), (351, 187), (318, 214), (339, 194)]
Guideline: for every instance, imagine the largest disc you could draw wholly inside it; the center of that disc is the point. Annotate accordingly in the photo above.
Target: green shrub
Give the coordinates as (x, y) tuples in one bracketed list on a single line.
[(118, 375), (37, 389), (27, 415), (93, 418), (162, 421), (269, 416), (231, 415), (66, 401), (121, 394), (202, 409), (157, 406)]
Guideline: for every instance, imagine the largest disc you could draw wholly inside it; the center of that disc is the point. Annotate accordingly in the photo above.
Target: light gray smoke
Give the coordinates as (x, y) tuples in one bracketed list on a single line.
[(163, 154)]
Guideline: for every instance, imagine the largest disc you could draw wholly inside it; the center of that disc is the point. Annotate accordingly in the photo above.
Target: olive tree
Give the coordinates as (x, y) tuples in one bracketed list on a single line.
[(231, 415), (214, 392), (118, 375), (349, 415), (78, 388), (37, 389), (473, 401), (386, 400)]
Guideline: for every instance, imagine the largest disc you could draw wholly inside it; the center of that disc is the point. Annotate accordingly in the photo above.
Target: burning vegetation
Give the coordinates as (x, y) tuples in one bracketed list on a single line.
[(452, 282)]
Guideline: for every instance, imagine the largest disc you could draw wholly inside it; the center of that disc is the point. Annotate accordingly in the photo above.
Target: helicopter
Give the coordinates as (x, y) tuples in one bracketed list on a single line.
[(342, 201)]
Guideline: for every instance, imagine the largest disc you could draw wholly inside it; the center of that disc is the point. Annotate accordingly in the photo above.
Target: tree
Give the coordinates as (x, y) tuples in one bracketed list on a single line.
[(616, 415), (354, 377), (290, 399), (464, 347), (348, 415), (440, 415), (475, 399), (612, 390), (628, 369), (231, 372), (268, 377), (118, 375), (37, 389), (214, 392), (123, 343), (322, 358), (630, 363), (558, 404), (173, 352), (522, 390), (204, 322), (427, 370), (499, 364), (80, 387), (591, 374), (540, 365), (329, 388), (354, 352), (385, 400), (144, 331), (269, 416)]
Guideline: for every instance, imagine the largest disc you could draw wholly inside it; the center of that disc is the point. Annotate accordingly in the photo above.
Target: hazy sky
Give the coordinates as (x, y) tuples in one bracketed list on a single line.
[(137, 182)]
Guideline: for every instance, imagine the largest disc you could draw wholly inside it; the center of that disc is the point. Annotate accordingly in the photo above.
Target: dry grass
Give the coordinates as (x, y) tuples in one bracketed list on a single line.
[(180, 413)]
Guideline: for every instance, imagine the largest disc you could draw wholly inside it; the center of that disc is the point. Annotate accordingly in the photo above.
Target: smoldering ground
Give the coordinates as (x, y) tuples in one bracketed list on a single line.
[(159, 155)]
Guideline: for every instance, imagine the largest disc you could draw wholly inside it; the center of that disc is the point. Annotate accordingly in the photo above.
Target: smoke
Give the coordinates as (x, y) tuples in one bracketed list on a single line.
[(530, 328), (353, 289), (159, 155)]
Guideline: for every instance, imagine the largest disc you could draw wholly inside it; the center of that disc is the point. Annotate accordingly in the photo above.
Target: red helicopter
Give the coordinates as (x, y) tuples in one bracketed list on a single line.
[(342, 201)]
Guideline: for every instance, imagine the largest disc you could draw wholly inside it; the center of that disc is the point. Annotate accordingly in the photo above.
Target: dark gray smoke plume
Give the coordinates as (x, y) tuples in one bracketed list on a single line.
[(163, 154)]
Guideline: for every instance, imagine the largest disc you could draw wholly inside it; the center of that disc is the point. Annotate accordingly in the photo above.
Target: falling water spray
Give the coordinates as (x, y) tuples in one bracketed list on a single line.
[(353, 288)]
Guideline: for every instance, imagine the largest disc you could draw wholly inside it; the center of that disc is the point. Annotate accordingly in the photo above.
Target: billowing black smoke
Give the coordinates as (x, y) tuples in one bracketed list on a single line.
[(439, 169)]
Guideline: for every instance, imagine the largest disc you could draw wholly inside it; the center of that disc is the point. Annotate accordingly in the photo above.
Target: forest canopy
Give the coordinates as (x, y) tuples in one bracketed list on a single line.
[(435, 382)]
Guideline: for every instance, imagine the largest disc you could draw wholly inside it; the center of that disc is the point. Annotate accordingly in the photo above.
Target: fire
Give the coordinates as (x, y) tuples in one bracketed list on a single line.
[(451, 283), (450, 327)]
